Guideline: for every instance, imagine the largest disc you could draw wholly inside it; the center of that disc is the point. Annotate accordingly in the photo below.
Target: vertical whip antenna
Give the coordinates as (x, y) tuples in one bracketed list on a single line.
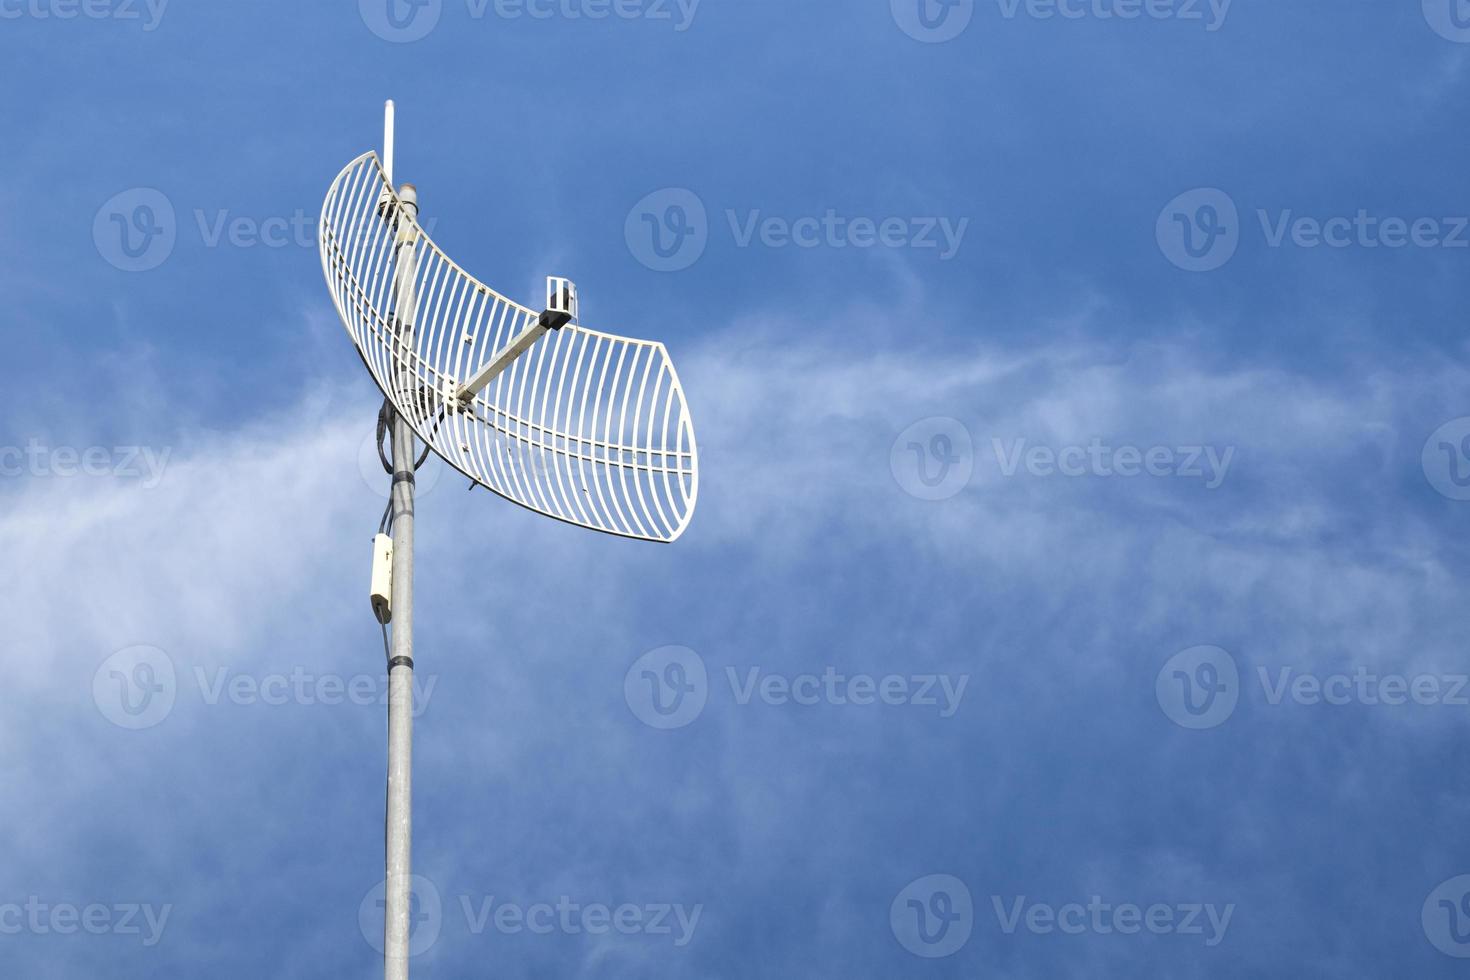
[(388, 122)]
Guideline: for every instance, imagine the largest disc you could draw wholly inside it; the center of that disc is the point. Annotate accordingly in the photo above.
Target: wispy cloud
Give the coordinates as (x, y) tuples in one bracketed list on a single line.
[(243, 557)]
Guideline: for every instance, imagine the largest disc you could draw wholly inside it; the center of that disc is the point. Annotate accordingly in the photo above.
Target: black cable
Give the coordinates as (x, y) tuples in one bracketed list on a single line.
[(385, 417), (383, 414)]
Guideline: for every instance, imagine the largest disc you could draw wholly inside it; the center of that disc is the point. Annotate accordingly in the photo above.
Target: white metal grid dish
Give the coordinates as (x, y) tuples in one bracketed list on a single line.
[(586, 427)]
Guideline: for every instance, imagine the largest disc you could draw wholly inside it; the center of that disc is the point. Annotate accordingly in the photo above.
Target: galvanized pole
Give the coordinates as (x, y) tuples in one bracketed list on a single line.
[(399, 840), (398, 884)]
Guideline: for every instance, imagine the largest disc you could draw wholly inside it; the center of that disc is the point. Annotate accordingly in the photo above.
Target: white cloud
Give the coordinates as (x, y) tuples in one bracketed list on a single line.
[(252, 553)]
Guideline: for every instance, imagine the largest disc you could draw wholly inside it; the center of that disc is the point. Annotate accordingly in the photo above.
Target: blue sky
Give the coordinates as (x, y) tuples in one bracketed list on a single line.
[(1076, 586)]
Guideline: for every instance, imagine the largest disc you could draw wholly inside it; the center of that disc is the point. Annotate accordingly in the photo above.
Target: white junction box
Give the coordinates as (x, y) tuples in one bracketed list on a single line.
[(382, 591)]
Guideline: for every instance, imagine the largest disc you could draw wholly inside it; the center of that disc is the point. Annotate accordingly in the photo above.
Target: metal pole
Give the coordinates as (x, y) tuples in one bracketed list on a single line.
[(398, 883)]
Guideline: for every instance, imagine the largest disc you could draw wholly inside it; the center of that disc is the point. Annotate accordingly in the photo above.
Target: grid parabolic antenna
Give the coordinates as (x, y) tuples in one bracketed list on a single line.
[(579, 425)]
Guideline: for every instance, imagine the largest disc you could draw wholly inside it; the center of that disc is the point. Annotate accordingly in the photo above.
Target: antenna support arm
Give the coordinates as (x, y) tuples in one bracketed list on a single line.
[(548, 320)]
